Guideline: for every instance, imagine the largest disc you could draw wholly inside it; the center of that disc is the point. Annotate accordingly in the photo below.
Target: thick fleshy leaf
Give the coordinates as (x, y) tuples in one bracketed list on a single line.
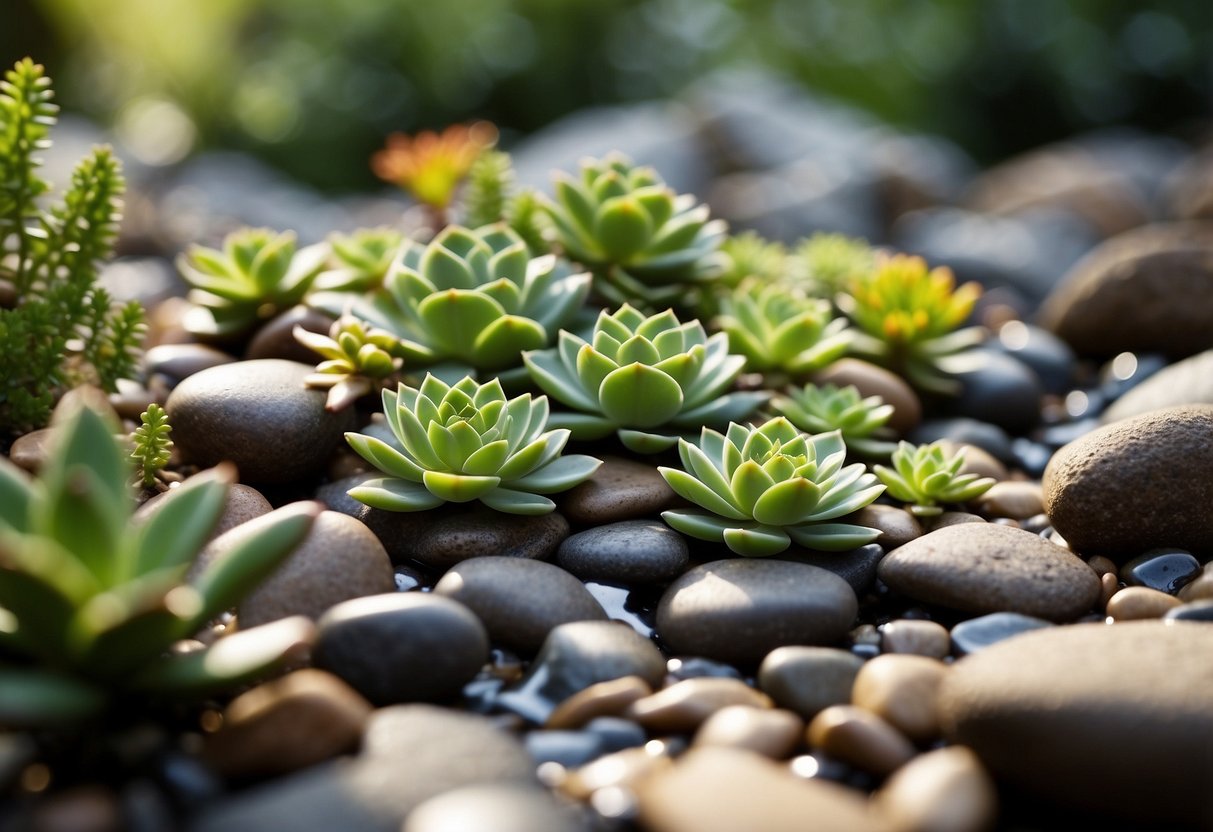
[(454, 318), (395, 495), (527, 458), (459, 488), (416, 439), (757, 542), (748, 483), (637, 349), (832, 537), (787, 503), (16, 490), (445, 270), (501, 342), (85, 519), (40, 603), (577, 205), (558, 475), (584, 427), (645, 443), (550, 374), (640, 396), (557, 306), (698, 524), (700, 465), (517, 502), (384, 457), (176, 531), (593, 367), (697, 492), (851, 502), (31, 698), (488, 459)]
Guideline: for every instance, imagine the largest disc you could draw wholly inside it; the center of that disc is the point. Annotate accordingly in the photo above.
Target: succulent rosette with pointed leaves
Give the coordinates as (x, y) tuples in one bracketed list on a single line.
[(357, 359), (644, 242), (359, 261), (467, 442), (861, 420), (646, 378), (474, 298), (827, 263), (780, 329), (759, 489), (256, 275), (924, 476)]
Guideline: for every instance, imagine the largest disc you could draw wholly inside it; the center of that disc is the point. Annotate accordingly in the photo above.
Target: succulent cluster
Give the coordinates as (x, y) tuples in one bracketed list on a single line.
[(759, 489), (829, 263), (924, 476), (465, 442), (358, 359), (820, 409)]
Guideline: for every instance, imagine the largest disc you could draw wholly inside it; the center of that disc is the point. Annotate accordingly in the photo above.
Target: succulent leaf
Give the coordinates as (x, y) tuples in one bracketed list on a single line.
[(925, 477)]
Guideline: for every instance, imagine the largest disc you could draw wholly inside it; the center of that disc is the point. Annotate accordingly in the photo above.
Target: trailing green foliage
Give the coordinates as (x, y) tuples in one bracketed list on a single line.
[(152, 445), (57, 327), (924, 477), (467, 442), (358, 359), (861, 421), (489, 187), (91, 602), (760, 489)]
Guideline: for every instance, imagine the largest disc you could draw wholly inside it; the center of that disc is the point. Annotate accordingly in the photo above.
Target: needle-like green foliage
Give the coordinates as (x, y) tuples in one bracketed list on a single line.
[(152, 445)]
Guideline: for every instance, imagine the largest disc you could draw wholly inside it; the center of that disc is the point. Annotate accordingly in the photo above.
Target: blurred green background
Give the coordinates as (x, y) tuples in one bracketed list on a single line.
[(314, 85)]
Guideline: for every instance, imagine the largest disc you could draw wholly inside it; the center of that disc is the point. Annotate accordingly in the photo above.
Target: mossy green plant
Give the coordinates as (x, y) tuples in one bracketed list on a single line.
[(152, 445), (924, 477)]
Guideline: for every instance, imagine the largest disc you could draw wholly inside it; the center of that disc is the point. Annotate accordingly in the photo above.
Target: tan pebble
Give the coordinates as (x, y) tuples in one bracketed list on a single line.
[(1102, 565), (773, 733), (683, 706), (860, 738), (904, 691), (29, 451), (1015, 500), (1108, 586), (602, 699), (1136, 602), (897, 526), (941, 791), (950, 518), (623, 769), (622, 489), (916, 637), (1200, 588), (978, 461)]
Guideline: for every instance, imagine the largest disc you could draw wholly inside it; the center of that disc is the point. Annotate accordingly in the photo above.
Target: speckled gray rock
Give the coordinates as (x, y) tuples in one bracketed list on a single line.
[(401, 647), (258, 415), (808, 680), (1135, 485), (1185, 382), (628, 552), (739, 610), (1104, 718), (518, 600), (984, 567), (621, 489)]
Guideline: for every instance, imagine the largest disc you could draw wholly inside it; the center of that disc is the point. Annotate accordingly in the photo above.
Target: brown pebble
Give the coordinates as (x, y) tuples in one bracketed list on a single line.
[(625, 769), (916, 637), (683, 706), (950, 518), (860, 738), (897, 526), (1108, 586), (28, 451), (904, 691), (1102, 565), (1200, 588), (1137, 602), (871, 380), (621, 489), (947, 790), (1017, 500), (602, 699), (978, 460), (771, 732)]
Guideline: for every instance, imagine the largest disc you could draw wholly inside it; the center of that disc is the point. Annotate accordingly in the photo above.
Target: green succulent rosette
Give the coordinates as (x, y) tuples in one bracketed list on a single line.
[(357, 360), (465, 442), (761, 489), (643, 242), (645, 378), (924, 476), (861, 420), (473, 298), (359, 261)]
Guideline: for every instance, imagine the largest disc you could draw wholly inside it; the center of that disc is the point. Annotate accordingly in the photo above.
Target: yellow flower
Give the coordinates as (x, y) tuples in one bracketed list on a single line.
[(431, 165)]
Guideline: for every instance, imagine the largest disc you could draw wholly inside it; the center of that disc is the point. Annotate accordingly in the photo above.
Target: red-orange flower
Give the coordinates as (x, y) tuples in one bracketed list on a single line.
[(431, 165)]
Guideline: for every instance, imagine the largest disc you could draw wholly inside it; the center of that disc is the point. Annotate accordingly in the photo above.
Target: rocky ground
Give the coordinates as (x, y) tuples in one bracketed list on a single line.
[(1038, 661)]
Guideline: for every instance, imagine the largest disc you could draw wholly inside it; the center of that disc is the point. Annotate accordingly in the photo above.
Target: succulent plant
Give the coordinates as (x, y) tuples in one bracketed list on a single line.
[(643, 242), (828, 263), (750, 255), (152, 445), (762, 488), (90, 602), (467, 442), (909, 318), (430, 166), (647, 378), (924, 477), (473, 297), (781, 330), (819, 409), (491, 182), (258, 274), (359, 261), (358, 359)]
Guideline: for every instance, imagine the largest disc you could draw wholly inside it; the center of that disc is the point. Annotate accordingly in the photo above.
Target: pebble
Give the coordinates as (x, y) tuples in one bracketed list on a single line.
[(259, 415), (519, 601), (623, 771), (179, 361), (984, 568), (1189, 381), (621, 489), (627, 552), (725, 790), (999, 390), (1136, 602), (1200, 588), (903, 690), (1102, 566), (402, 647), (243, 503), (1193, 611), (1167, 570), (499, 808), (683, 706), (897, 526), (609, 698), (29, 450), (979, 633), (616, 732), (915, 637), (287, 724), (1160, 464), (1049, 357), (951, 518), (276, 337), (692, 667), (857, 566), (946, 790), (860, 738), (871, 380), (772, 602), (807, 680), (1108, 586), (568, 749), (982, 436), (1113, 720), (771, 732), (76, 809), (1016, 499)]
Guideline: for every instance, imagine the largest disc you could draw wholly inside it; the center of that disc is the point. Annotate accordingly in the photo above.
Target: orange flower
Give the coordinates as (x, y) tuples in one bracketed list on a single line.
[(431, 165)]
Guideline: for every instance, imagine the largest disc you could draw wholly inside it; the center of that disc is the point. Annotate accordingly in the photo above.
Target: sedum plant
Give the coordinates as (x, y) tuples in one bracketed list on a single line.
[(358, 261), (643, 242), (152, 445), (256, 275), (646, 378), (780, 330), (909, 318), (924, 477), (759, 489), (476, 298), (860, 420), (91, 603), (358, 359), (828, 263), (751, 255), (467, 442)]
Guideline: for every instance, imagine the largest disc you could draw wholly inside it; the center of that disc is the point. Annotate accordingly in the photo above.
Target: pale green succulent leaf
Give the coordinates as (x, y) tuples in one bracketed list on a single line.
[(700, 525), (517, 502), (174, 535), (390, 494), (747, 484), (639, 396), (787, 503), (558, 475), (16, 494), (645, 443), (502, 341), (32, 698), (488, 459), (702, 495), (459, 488), (758, 541), (550, 374), (832, 537)]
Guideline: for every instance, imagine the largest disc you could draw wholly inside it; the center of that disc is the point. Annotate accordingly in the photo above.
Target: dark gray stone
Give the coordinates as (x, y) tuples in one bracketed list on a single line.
[(1049, 357), (979, 633), (857, 566), (1000, 390), (628, 552), (276, 337), (808, 680), (1167, 570), (965, 431)]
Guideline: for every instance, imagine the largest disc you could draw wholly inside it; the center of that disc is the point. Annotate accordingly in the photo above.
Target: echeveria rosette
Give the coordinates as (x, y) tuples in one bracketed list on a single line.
[(357, 360), (759, 489), (474, 298), (861, 420), (924, 476), (780, 330), (643, 242), (645, 378), (359, 261), (256, 275), (467, 442), (909, 318)]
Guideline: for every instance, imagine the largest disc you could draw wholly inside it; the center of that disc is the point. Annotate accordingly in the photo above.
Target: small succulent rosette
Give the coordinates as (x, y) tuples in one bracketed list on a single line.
[(822, 408), (924, 476), (761, 489), (358, 359), (464, 442), (645, 378), (359, 261)]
